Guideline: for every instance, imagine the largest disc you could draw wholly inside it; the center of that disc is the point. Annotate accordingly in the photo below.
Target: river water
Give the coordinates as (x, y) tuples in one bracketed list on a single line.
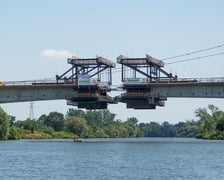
[(140, 158)]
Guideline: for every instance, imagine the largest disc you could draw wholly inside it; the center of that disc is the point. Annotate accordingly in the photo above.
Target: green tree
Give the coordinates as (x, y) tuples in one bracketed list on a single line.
[(55, 120), (78, 126), (220, 124), (186, 129), (94, 119), (168, 130), (42, 119), (152, 129), (107, 117), (4, 124), (28, 124), (12, 120), (206, 124), (132, 126), (75, 112), (210, 122), (99, 119)]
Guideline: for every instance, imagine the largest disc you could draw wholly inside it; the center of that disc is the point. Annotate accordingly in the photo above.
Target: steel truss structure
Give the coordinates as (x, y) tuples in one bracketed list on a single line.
[(91, 67), (150, 68)]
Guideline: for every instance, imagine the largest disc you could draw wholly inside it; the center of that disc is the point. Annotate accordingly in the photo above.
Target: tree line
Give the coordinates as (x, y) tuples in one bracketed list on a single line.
[(75, 124), (102, 124)]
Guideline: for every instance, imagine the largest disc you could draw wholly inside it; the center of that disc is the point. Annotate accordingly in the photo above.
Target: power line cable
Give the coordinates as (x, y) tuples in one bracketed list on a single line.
[(196, 58), (194, 52)]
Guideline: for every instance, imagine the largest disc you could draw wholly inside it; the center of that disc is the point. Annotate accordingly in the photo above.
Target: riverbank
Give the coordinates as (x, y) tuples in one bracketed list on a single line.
[(41, 135)]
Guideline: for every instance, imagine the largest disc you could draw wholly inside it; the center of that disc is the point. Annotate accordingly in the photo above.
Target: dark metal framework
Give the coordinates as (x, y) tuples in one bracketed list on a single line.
[(93, 67), (148, 67)]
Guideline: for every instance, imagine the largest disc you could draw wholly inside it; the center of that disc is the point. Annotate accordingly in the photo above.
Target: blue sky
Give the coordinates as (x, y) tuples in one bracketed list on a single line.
[(109, 28)]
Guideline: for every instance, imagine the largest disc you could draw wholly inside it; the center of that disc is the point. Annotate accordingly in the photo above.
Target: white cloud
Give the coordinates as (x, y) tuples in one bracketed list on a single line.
[(52, 53)]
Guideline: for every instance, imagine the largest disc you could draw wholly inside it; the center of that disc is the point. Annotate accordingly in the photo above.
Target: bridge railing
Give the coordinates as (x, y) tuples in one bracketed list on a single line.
[(168, 80), (94, 81), (48, 81), (28, 82), (213, 79)]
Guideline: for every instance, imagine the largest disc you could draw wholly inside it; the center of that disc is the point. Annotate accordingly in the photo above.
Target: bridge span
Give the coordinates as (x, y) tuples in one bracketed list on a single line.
[(150, 95), (209, 89), (137, 96), (82, 85), (32, 92)]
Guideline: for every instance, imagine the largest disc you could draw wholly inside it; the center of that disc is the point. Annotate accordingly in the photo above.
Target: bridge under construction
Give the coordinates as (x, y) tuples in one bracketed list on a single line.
[(86, 84)]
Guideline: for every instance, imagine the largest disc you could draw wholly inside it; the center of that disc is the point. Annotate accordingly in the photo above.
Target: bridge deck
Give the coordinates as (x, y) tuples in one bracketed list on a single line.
[(153, 93), (190, 89), (20, 93)]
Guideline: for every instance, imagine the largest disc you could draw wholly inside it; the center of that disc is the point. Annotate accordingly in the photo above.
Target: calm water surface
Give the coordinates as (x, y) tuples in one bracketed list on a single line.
[(141, 158)]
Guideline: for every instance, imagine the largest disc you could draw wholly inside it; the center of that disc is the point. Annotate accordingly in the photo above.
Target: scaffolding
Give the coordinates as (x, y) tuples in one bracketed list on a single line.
[(137, 74), (147, 69), (91, 79), (87, 70)]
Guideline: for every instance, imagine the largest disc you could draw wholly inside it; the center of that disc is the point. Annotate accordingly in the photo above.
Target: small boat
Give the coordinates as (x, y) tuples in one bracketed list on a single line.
[(77, 140)]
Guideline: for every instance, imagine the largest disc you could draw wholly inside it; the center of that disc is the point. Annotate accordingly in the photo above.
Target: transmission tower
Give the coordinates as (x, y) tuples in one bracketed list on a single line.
[(31, 115)]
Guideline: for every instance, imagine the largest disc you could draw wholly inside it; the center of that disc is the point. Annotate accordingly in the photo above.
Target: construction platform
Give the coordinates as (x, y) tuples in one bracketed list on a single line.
[(88, 78)]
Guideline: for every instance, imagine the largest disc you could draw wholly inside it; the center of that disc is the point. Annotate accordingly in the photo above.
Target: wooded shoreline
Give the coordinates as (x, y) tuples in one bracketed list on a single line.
[(102, 124)]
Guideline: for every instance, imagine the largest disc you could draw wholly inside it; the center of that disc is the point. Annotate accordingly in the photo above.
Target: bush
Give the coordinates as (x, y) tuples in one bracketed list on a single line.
[(14, 133), (101, 134), (26, 134), (220, 135), (63, 135)]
